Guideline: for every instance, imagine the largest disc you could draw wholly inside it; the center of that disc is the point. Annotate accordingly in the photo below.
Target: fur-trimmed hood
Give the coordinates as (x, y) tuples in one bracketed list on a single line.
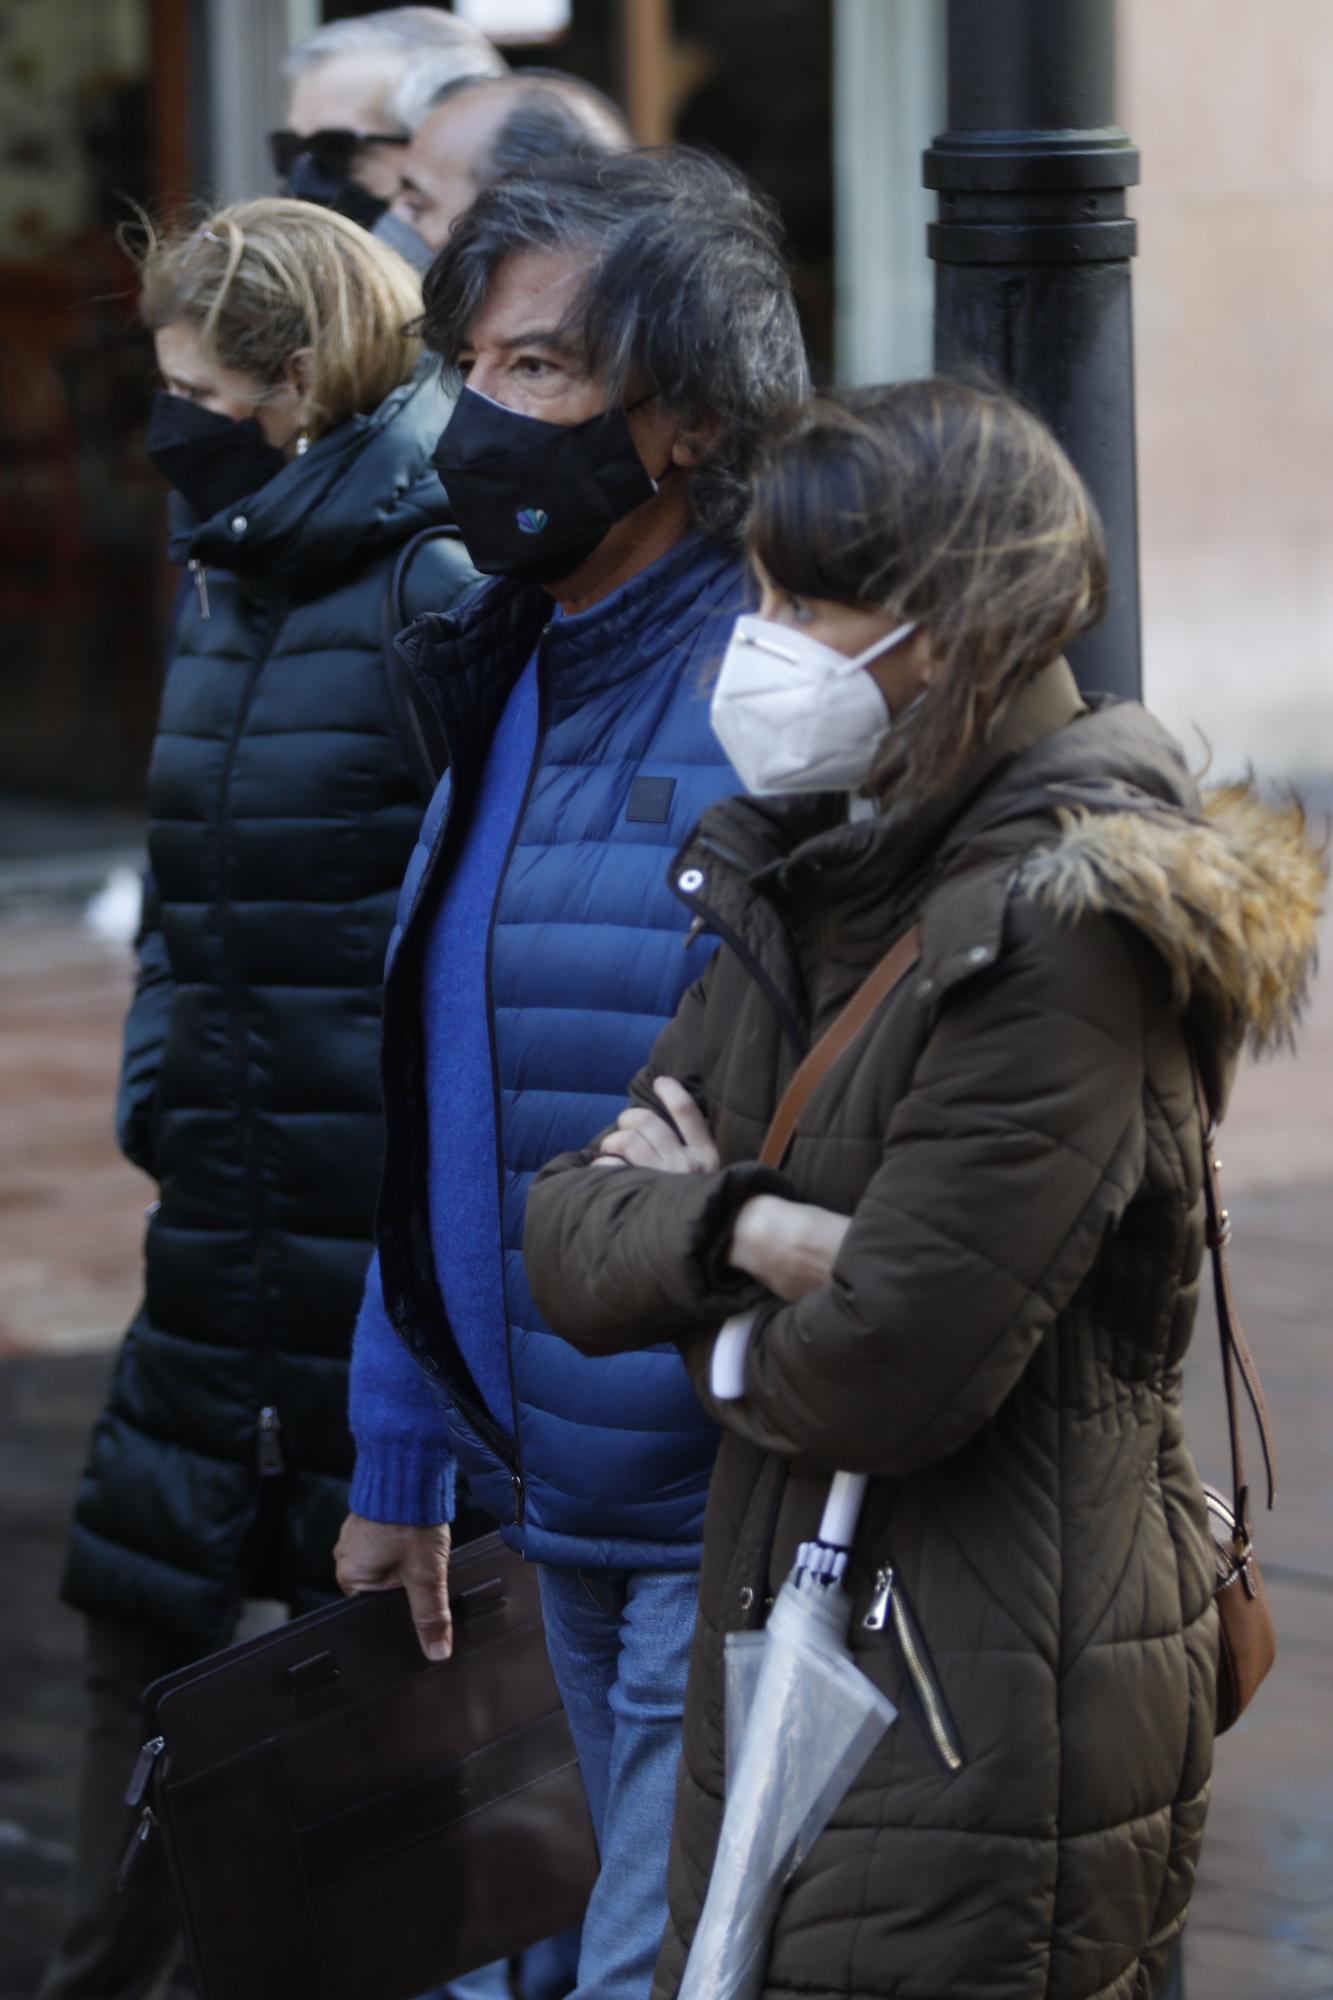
[(1231, 897), (1227, 887)]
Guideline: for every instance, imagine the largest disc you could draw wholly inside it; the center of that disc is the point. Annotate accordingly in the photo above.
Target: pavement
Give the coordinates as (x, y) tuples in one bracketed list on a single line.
[(71, 1216)]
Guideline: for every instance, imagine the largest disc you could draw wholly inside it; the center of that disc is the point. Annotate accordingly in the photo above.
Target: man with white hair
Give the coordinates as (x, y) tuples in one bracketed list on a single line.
[(360, 89)]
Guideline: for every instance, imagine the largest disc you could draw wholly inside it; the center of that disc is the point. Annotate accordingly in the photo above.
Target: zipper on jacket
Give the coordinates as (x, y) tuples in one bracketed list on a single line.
[(231, 984), (200, 575), (875, 1618), (475, 1413), (271, 1460), (707, 920), (143, 1770), (268, 1450), (138, 1840), (889, 1607), (543, 719)]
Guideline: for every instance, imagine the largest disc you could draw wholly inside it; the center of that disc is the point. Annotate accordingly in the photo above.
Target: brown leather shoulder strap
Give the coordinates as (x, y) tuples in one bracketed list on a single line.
[(896, 963), (1236, 1353)]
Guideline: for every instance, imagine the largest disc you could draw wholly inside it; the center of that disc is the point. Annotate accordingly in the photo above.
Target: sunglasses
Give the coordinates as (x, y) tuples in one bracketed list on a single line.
[(334, 149)]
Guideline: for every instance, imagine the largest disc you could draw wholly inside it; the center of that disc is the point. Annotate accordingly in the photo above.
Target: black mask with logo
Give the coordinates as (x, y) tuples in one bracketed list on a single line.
[(212, 461), (533, 499)]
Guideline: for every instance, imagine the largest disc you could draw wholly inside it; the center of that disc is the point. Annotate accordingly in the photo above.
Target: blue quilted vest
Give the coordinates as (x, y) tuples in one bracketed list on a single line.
[(609, 1461)]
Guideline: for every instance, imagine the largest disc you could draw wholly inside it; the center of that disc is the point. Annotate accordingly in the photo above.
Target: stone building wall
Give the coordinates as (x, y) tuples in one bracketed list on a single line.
[(1232, 107)]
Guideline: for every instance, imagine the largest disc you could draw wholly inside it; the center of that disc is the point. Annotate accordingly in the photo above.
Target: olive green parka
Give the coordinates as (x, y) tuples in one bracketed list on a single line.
[(1000, 1344)]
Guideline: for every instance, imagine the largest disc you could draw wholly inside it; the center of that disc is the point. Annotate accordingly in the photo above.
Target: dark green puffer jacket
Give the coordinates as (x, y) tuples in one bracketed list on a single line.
[(999, 1345), (282, 814)]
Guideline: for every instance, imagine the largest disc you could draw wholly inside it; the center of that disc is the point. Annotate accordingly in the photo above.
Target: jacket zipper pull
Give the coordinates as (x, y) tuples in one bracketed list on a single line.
[(271, 1460), (143, 1770), (877, 1616), (139, 1839), (518, 1499), (890, 1606), (200, 575)]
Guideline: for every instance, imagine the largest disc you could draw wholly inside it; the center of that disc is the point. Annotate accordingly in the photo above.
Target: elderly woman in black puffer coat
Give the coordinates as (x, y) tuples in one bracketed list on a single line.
[(296, 428)]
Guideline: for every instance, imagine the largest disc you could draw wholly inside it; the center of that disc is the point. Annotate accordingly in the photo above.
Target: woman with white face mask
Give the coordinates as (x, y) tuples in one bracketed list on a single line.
[(974, 1278), (810, 687)]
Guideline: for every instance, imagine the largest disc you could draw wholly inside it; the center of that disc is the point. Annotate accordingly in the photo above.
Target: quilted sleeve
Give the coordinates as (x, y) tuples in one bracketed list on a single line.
[(624, 1257), (1015, 1151)]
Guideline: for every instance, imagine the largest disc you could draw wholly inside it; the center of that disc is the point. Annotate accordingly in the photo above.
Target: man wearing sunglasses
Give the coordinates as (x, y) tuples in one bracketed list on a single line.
[(360, 88)]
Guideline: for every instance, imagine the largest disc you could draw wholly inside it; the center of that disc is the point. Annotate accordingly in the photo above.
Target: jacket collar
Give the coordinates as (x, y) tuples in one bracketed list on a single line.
[(640, 623), (781, 846), (758, 870), (360, 489), (466, 661), (1082, 807), (895, 846)]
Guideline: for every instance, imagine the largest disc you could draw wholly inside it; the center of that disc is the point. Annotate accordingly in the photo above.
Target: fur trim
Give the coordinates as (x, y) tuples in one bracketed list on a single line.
[(1232, 905)]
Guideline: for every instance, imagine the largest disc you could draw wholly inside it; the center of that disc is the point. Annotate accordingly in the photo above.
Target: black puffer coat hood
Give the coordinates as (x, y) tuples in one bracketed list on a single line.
[(282, 815)]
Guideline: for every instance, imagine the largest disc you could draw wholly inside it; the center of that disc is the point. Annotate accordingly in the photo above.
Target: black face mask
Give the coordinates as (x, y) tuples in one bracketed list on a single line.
[(533, 499), (211, 461), (309, 181)]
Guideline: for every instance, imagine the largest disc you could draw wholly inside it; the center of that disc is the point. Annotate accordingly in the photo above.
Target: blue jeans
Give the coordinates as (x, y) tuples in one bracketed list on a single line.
[(545, 1970), (619, 1642), (491, 1983)]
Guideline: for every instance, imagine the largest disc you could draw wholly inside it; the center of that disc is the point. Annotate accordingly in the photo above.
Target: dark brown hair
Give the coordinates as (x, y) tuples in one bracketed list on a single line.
[(949, 505)]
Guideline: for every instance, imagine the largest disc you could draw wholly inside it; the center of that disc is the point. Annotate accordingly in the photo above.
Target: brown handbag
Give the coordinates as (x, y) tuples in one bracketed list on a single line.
[(1247, 1643), (1247, 1636), (343, 1818)]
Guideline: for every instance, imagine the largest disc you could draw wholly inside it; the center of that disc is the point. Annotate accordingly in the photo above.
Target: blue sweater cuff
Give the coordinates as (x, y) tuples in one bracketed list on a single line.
[(405, 1471), (409, 1484)]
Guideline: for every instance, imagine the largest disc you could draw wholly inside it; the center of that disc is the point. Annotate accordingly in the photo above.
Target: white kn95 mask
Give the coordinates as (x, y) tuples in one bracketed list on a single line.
[(796, 715)]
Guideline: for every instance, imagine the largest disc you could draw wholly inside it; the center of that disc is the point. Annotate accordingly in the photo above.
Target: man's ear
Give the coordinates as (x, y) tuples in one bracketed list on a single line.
[(692, 445)]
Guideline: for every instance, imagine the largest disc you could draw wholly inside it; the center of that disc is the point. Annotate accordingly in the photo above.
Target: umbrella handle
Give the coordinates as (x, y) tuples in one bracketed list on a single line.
[(842, 1510)]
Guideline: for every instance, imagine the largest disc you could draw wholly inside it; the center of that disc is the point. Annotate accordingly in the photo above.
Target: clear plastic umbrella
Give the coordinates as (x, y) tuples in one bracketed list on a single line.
[(801, 1720)]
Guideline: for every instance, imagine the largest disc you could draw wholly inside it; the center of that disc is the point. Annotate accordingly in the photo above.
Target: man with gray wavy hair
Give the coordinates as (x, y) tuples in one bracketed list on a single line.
[(359, 90)]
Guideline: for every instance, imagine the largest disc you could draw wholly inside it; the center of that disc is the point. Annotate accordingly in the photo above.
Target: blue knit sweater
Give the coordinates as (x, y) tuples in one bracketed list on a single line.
[(464, 1164)]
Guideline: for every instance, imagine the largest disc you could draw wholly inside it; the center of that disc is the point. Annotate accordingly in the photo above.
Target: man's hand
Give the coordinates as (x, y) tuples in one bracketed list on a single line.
[(377, 1555), (642, 1139), (790, 1246)]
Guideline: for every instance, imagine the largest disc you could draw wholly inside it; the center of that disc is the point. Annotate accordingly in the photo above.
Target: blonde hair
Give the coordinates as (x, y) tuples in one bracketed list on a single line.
[(260, 280), (949, 505)]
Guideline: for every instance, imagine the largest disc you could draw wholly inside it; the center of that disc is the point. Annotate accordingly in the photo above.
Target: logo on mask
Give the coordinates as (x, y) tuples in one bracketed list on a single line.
[(531, 520)]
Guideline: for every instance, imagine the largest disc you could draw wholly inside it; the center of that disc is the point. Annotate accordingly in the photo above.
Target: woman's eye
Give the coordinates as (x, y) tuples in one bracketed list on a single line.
[(464, 366), (533, 366)]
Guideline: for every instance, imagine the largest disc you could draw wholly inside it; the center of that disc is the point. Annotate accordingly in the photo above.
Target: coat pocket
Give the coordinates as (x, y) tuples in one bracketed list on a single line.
[(890, 1610)]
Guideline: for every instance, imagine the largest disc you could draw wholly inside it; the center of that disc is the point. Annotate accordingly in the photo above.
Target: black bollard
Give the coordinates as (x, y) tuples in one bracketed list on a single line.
[(1032, 258), (1032, 254)]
